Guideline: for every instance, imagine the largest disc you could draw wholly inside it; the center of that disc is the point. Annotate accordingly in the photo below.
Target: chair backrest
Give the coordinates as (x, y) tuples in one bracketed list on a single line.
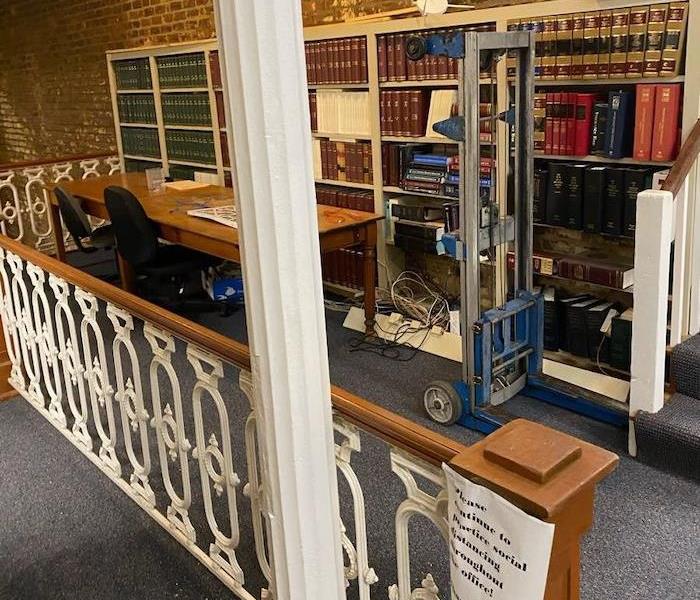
[(73, 215), (137, 241)]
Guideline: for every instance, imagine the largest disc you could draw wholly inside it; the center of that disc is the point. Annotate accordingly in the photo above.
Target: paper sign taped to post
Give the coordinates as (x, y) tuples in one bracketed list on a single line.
[(497, 551)]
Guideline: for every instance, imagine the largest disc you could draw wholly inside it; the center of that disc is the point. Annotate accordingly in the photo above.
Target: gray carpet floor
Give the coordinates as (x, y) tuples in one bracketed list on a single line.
[(66, 532)]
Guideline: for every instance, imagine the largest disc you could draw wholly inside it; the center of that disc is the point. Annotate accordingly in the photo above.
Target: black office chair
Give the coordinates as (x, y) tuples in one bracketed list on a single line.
[(79, 227), (137, 243)]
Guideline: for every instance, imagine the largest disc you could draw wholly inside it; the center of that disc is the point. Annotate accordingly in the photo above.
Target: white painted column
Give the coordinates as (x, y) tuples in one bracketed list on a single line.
[(265, 78), (654, 233)]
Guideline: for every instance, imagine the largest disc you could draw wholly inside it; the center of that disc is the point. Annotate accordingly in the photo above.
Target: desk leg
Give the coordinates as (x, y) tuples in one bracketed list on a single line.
[(55, 216), (369, 250), (127, 275)]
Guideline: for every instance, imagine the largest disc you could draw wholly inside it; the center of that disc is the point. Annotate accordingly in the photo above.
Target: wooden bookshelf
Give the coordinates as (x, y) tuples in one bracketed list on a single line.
[(186, 164)]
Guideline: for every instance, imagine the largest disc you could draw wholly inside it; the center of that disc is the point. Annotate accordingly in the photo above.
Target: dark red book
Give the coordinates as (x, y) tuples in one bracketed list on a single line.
[(220, 108), (353, 60), (215, 68), (556, 123), (549, 124), (418, 113), (391, 69), (400, 57), (664, 144), (364, 77), (570, 123), (644, 121), (381, 58), (584, 122), (396, 113), (405, 126)]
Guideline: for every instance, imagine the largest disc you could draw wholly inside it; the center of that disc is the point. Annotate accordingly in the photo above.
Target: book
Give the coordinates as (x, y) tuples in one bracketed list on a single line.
[(674, 39), (656, 29), (599, 127), (576, 330), (430, 230), (618, 133), (614, 202), (539, 196), (549, 46), (621, 340), (564, 24), (556, 194), (577, 48), (549, 124), (598, 318), (619, 38), (551, 319), (563, 305), (644, 121), (557, 112), (664, 145), (600, 273), (635, 181), (594, 194), (574, 195), (636, 41), (569, 130), (539, 113), (416, 212), (591, 33), (584, 124), (604, 41), (381, 58)]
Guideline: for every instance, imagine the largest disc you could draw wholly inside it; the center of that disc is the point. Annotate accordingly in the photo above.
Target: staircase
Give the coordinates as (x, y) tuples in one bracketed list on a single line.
[(670, 438)]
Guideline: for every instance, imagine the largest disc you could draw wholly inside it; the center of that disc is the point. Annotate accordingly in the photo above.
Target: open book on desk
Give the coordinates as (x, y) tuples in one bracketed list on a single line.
[(226, 215)]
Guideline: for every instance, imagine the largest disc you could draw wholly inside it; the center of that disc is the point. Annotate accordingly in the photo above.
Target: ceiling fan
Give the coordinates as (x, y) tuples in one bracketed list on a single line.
[(438, 7)]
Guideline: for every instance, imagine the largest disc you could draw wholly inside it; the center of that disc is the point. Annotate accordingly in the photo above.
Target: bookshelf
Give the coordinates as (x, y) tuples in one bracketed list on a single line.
[(168, 109), (557, 239)]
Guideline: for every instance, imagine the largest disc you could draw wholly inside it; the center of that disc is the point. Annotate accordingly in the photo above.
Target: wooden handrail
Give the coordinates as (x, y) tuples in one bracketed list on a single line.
[(51, 161), (686, 159), (392, 428)]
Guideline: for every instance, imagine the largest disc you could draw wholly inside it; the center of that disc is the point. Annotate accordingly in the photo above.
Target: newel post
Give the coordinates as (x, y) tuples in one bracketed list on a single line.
[(549, 475)]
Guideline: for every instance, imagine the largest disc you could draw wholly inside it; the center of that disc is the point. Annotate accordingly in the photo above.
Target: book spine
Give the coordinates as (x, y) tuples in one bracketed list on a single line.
[(549, 47), (656, 27), (584, 121), (591, 33), (594, 181), (604, 41), (674, 39), (540, 117), (381, 58), (539, 196), (400, 57), (636, 43), (556, 123), (613, 207), (574, 196), (354, 60), (577, 48), (549, 124), (644, 121), (618, 129), (563, 60), (511, 61), (635, 182), (364, 74), (405, 123), (666, 117), (619, 41), (570, 123), (390, 57), (556, 194)]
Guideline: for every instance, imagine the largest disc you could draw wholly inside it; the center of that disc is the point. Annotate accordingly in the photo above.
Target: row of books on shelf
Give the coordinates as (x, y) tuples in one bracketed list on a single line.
[(595, 199), (345, 198), (132, 74), (343, 161), (580, 268), (642, 124), (412, 113), (589, 327), (132, 165), (342, 60), (195, 146), (343, 267), (186, 109), (225, 155), (340, 112), (136, 108), (642, 41), (394, 65), (182, 70), (140, 141)]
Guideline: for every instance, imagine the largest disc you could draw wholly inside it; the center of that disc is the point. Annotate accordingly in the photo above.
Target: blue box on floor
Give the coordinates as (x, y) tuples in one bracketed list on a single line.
[(224, 284)]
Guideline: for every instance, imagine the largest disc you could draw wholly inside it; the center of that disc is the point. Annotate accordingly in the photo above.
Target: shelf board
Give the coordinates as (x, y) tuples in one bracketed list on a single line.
[(188, 163), (141, 125), (350, 184), (190, 127), (426, 140), (627, 290), (342, 290), (603, 159), (134, 91), (397, 190), (182, 90), (153, 159), (610, 236), (583, 362), (616, 81), (427, 83), (339, 86), (341, 136)]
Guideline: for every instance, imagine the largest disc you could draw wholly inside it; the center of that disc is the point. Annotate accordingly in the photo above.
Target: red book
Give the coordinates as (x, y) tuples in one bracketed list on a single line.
[(391, 69), (556, 123), (644, 121), (400, 57), (570, 123), (381, 58), (364, 77), (405, 124), (549, 124), (665, 137), (584, 122)]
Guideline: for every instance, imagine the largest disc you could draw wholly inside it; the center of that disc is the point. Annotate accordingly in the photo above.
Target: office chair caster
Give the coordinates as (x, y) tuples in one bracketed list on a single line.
[(442, 402)]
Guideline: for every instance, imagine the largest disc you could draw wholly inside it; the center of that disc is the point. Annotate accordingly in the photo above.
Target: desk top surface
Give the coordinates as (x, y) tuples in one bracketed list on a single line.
[(170, 207)]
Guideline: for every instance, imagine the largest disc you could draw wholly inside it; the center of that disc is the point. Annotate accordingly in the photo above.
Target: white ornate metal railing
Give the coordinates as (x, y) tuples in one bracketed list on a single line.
[(24, 201), (150, 399)]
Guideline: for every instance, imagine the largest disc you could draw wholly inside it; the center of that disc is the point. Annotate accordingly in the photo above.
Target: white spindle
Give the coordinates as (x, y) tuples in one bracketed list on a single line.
[(10, 329), (37, 204), (11, 211)]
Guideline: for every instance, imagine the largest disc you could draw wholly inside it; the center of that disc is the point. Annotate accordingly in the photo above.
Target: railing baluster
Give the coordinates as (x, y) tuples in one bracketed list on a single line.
[(38, 205), (169, 425), (215, 460), (11, 211), (97, 376), (10, 326), (130, 398), (114, 165)]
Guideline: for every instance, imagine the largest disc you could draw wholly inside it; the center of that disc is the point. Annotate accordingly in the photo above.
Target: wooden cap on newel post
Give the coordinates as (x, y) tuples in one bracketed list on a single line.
[(549, 475)]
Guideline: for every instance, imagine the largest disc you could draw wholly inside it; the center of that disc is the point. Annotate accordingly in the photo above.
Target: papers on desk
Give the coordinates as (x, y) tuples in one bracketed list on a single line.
[(226, 215), (186, 185)]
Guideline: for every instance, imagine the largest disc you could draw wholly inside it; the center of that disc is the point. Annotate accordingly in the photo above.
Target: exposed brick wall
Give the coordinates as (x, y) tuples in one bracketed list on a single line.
[(54, 95)]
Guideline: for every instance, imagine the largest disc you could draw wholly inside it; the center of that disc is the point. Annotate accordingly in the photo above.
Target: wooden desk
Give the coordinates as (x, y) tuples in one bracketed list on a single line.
[(338, 227)]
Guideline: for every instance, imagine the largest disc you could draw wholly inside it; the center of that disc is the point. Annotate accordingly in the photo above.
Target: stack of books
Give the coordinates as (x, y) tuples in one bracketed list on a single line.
[(136, 108), (132, 74), (140, 141), (345, 198), (403, 112), (642, 41), (191, 146), (427, 173), (336, 61), (186, 109), (182, 71), (343, 161), (342, 112), (343, 267)]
